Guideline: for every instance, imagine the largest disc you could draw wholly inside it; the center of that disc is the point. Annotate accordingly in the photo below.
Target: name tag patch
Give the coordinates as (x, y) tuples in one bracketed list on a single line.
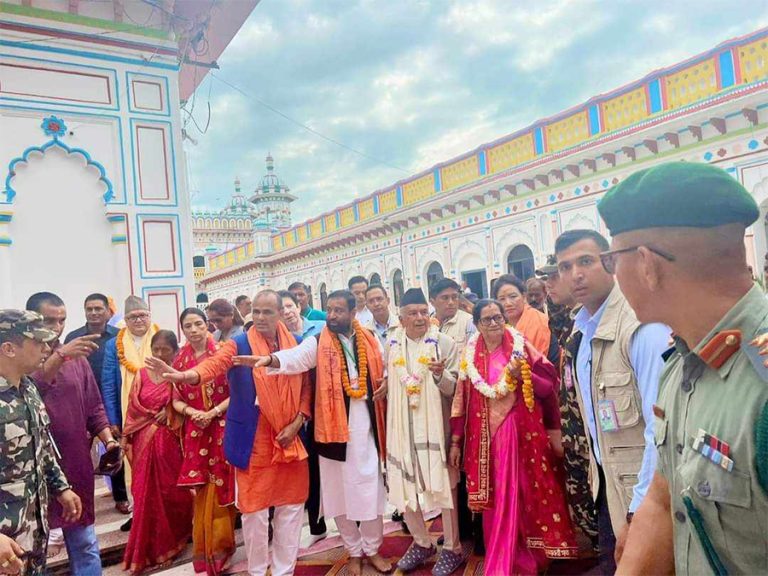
[(606, 414)]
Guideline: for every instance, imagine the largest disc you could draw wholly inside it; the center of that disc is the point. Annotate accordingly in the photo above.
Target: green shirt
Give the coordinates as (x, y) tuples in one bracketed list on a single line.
[(312, 314), (724, 402)]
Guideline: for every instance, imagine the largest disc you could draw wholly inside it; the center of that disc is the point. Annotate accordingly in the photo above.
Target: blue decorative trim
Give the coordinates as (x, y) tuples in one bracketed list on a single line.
[(174, 201), (6, 216), (91, 55), (482, 165), (116, 218), (438, 180), (654, 91), (53, 126), (538, 140), (727, 72), (5, 56), (147, 290), (399, 196), (119, 239), (129, 92), (108, 117), (5, 241), (179, 247)]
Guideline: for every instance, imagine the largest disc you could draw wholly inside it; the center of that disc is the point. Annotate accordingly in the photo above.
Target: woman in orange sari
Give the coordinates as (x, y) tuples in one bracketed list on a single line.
[(162, 512), (534, 325), (505, 422), (205, 468)]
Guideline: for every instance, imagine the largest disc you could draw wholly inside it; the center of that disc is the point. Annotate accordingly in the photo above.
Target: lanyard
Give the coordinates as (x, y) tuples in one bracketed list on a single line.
[(347, 352)]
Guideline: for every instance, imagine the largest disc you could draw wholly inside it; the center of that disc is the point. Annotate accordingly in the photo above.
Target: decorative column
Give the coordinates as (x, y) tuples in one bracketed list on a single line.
[(6, 216), (121, 262)]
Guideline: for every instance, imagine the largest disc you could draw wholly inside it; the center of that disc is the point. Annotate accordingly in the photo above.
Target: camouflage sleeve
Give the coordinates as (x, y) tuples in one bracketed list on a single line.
[(54, 475)]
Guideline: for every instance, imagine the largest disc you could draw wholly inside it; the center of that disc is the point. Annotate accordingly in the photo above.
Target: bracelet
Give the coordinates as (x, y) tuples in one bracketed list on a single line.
[(113, 441)]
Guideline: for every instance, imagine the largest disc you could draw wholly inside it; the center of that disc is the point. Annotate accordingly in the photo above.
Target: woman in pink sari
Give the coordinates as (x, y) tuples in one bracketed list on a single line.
[(506, 421), (162, 512)]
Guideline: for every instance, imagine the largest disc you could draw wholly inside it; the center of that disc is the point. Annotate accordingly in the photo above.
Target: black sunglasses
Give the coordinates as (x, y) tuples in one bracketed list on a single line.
[(608, 259)]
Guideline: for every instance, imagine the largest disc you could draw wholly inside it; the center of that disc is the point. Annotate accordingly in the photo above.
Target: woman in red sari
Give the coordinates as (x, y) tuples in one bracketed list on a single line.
[(205, 469), (506, 417), (162, 512)]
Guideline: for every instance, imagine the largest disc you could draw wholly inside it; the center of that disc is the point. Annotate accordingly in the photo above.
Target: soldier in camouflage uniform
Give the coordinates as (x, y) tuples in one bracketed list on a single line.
[(576, 449), (28, 465)]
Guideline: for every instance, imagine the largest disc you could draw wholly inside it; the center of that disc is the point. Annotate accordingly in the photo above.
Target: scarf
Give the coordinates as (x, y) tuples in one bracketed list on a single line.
[(534, 325), (279, 396), (331, 422), (134, 361), (425, 420)]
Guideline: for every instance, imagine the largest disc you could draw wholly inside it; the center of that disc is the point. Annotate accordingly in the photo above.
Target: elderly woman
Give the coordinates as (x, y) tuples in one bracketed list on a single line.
[(533, 324), (506, 422), (227, 320)]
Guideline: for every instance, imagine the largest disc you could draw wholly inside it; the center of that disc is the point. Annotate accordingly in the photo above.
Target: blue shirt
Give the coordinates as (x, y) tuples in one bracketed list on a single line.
[(645, 354), (311, 327), (95, 358)]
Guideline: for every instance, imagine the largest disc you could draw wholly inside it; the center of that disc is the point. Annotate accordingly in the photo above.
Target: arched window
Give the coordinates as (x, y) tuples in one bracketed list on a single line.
[(323, 296), (397, 286), (520, 262), (202, 298), (375, 279), (434, 273), (224, 224), (198, 261)]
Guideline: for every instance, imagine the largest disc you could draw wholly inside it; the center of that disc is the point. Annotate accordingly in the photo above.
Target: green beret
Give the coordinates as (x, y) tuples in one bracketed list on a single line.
[(677, 194)]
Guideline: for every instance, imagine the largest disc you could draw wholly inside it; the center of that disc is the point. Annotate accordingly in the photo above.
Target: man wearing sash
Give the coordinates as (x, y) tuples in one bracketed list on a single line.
[(349, 425), (265, 414), (423, 367)]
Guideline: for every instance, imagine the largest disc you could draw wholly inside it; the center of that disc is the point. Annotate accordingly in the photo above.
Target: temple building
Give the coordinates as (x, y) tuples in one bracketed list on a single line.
[(95, 196), (500, 207)]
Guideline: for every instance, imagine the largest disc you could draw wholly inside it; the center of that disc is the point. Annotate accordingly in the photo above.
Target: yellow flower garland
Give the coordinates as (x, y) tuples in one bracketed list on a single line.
[(362, 360), (121, 353)]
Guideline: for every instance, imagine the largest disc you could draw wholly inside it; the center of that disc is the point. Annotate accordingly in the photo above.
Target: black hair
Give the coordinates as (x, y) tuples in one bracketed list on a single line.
[(169, 336), (484, 303), (298, 286), (345, 295), (286, 294), (240, 298), (570, 237), (225, 308), (36, 301), (190, 311), (96, 296), (441, 285), (507, 280), (377, 287), (357, 280)]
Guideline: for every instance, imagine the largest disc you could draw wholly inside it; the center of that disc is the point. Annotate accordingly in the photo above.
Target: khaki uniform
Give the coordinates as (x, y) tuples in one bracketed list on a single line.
[(459, 328), (715, 388)]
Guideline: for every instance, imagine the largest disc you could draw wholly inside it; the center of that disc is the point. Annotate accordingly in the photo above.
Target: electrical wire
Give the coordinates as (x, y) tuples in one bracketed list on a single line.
[(305, 127)]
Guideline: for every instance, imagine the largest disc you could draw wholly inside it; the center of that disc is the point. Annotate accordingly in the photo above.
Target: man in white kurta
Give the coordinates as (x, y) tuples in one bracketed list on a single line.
[(423, 367), (352, 489)]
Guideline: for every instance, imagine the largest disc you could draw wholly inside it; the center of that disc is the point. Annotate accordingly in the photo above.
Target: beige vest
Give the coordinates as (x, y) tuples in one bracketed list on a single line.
[(457, 328), (621, 451)]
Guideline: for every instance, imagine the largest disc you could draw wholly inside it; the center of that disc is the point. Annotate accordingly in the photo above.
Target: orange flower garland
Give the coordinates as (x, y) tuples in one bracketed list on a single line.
[(362, 361), (121, 353), (525, 372)]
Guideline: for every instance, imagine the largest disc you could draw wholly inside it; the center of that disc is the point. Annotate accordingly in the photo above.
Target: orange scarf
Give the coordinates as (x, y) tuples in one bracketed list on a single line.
[(279, 396), (331, 421), (534, 325)]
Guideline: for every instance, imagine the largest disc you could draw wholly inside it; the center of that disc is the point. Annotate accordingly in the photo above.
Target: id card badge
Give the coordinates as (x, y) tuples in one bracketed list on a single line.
[(606, 414), (568, 377)]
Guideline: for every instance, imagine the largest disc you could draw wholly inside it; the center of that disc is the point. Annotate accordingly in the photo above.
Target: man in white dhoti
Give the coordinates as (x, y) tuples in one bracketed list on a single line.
[(350, 425), (423, 367)]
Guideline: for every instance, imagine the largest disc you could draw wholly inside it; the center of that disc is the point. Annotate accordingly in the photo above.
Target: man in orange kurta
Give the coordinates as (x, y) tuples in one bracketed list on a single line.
[(276, 473)]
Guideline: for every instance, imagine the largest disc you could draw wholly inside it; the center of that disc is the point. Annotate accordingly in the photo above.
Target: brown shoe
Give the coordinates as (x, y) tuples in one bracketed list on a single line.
[(380, 563), (124, 507)]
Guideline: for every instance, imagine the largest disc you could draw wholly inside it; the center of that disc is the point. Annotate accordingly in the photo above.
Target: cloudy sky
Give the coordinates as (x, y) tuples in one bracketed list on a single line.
[(409, 83)]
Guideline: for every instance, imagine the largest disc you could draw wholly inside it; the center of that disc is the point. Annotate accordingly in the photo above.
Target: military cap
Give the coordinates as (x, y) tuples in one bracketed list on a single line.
[(23, 323), (549, 268), (677, 194)]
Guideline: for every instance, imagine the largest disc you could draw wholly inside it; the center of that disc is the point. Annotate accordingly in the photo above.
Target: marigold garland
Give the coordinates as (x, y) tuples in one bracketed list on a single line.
[(507, 382), (130, 366), (362, 363)]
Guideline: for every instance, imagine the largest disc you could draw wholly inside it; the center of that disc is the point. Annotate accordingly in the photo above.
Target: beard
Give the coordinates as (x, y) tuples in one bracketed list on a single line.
[(338, 327)]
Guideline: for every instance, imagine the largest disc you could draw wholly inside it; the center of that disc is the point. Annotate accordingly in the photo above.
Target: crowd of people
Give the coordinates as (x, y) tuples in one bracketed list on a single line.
[(614, 408)]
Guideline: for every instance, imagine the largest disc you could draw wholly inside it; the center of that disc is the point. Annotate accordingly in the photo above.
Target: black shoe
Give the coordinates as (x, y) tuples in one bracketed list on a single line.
[(126, 527), (441, 541), (397, 516)]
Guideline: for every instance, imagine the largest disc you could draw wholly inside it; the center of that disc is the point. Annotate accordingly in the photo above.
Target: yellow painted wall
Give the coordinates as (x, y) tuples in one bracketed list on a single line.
[(388, 201), (624, 110), (419, 189), (459, 173), (509, 154), (568, 131), (365, 208), (691, 84), (754, 61)]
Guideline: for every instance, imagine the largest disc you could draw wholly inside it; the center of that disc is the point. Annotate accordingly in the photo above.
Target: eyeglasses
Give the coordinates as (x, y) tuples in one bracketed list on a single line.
[(136, 317), (608, 259), (489, 320)]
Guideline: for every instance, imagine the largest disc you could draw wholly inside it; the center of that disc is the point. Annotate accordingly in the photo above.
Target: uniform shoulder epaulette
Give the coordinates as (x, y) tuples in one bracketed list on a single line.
[(720, 348)]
